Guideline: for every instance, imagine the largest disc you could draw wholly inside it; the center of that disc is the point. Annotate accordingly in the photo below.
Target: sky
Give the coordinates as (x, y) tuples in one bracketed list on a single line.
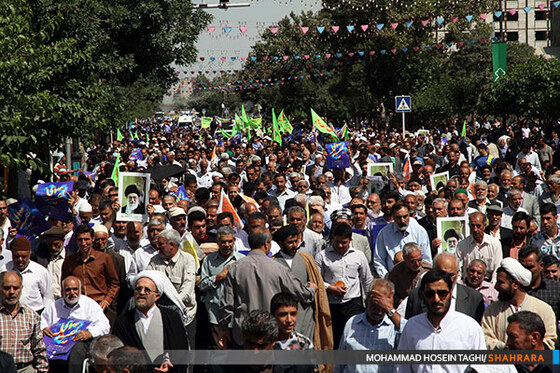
[(258, 16)]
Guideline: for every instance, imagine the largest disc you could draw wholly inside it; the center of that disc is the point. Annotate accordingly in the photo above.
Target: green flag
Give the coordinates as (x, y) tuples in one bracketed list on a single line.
[(345, 132), (255, 123), (225, 135), (136, 136), (205, 122), (284, 124), (244, 116), (147, 138), (499, 60), (237, 125), (119, 135), (464, 131), (276, 136), (115, 173), (322, 126)]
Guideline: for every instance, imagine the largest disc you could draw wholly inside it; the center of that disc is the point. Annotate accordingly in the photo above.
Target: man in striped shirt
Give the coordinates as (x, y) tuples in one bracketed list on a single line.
[(20, 323)]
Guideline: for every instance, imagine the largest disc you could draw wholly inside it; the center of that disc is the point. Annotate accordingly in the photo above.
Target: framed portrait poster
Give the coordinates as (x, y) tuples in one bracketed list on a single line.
[(450, 231), (134, 188)]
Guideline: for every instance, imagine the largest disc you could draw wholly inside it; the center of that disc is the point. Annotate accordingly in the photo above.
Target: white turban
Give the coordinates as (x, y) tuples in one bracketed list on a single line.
[(85, 207), (100, 228), (517, 271), (155, 276)]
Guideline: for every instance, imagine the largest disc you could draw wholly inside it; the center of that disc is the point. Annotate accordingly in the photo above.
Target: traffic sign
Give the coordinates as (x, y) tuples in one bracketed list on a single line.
[(403, 104)]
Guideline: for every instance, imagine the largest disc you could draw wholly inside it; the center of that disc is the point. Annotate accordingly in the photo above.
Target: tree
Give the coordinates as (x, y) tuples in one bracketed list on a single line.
[(130, 44), (41, 103)]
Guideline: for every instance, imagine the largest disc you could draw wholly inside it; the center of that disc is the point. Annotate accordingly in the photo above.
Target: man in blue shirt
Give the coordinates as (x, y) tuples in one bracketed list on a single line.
[(378, 328), (395, 235)]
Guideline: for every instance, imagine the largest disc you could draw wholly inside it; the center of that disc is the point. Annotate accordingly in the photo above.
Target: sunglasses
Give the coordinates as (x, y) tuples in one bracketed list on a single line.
[(441, 293)]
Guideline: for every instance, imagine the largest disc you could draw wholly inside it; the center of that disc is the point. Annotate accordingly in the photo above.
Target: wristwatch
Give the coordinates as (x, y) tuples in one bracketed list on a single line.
[(392, 312)]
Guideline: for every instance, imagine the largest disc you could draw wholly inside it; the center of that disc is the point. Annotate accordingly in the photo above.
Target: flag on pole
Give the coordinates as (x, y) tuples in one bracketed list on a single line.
[(322, 126), (276, 136), (119, 135), (406, 168), (225, 135), (226, 206), (345, 132), (285, 125), (464, 131), (115, 173), (205, 122)]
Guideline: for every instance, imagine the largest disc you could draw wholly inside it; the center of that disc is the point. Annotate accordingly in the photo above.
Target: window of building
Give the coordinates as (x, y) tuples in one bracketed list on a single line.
[(512, 36), (512, 17), (540, 35), (541, 15)]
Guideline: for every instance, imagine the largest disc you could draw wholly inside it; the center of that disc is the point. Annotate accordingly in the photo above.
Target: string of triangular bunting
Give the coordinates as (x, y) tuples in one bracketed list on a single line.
[(363, 28)]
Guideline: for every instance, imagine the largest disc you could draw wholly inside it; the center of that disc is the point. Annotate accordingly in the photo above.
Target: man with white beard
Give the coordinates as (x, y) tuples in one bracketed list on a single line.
[(76, 306), (134, 204)]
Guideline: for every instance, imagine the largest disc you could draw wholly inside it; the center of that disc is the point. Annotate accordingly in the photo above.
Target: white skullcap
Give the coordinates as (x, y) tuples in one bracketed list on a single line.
[(158, 209), (517, 271), (100, 228), (85, 207), (155, 276)]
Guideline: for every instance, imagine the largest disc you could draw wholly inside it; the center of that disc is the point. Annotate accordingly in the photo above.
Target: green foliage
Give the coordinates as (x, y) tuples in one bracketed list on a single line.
[(529, 90), (40, 105), (76, 68)]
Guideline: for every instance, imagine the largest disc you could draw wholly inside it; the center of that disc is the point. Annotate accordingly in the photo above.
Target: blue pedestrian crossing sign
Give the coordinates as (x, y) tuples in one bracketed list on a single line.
[(403, 104)]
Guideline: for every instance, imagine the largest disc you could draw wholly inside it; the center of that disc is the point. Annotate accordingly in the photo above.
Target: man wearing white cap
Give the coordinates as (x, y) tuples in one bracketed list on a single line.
[(511, 281), (86, 212), (157, 331)]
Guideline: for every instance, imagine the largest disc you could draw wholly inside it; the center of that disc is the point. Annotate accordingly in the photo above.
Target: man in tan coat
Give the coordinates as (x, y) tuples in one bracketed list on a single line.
[(512, 278)]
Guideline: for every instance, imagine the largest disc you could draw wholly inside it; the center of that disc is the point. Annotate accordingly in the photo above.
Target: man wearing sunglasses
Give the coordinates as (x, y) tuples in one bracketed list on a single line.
[(158, 331), (440, 326)]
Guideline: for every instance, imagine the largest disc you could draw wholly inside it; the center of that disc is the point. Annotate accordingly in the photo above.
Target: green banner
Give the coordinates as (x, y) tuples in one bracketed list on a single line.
[(499, 60)]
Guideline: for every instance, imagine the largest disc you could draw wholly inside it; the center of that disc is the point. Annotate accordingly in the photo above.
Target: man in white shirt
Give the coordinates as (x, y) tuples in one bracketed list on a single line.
[(143, 254), (347, 276), (282, 192), (75, 306), (37, 292), (440, 328), (479, 245)]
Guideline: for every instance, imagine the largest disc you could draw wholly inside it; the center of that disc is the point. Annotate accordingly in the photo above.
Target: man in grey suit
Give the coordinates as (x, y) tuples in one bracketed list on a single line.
[(464, 299)]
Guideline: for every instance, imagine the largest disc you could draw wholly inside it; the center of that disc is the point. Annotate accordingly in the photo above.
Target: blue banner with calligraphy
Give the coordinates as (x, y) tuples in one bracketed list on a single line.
[(181, 194), (60, 345), (26, 218), (52, 199), (337, 155)]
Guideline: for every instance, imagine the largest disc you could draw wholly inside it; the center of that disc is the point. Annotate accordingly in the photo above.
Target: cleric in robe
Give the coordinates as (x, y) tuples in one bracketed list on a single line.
[(156, 330), (134, 201)]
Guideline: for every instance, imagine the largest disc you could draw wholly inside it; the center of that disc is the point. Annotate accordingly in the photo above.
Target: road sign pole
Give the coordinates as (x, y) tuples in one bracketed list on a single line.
[(403, 125)]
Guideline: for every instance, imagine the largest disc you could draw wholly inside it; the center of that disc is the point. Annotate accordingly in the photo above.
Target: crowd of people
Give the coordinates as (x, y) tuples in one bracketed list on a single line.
[(271, 249)]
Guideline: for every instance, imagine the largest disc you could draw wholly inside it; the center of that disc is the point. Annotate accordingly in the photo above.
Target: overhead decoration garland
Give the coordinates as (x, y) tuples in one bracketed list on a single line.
[(266, 82), (367, 28)]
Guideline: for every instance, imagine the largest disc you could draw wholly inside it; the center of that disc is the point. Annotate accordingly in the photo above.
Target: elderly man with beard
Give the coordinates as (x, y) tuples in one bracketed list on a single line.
[(37, 290), (75, 306), (314, 315), (474, 278), (158, 331), (441, 327), (511, 281), (134, 204), (406, 274), (395, 235), (378, 328)]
